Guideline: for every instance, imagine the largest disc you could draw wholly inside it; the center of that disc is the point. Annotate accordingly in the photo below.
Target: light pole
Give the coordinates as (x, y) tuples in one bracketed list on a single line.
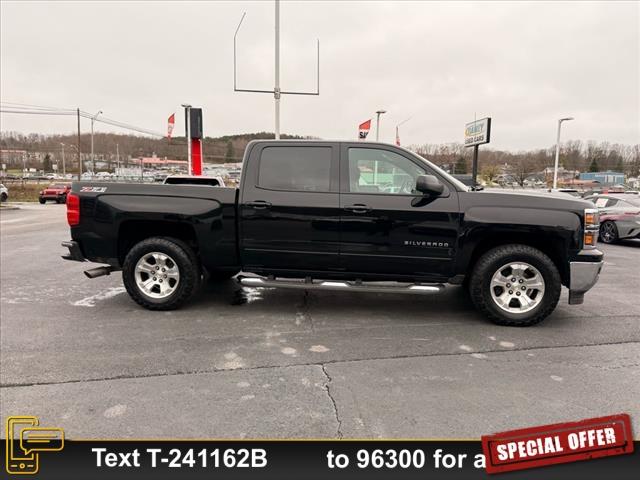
[(93, 161), (555, 167), (141, 165), (378, 113), (117, 158), (398, 129), (64, 170), (78, 152), (187, 129), (277, 91)]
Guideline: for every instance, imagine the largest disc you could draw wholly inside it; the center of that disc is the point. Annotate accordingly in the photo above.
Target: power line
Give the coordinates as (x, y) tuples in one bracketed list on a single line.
[(127, 126), (39, 107), (36, 112), (10, 107)]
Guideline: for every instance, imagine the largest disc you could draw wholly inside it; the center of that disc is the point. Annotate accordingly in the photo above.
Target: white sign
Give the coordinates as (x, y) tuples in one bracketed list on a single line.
[(478, 132)]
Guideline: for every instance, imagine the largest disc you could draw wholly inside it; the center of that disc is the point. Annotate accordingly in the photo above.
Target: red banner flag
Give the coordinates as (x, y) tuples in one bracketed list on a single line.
[(363, 129), (171, 123)]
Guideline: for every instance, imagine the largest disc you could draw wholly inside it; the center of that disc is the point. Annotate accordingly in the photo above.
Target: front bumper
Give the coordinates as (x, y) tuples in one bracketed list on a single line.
[(74, 251), (584, 275)]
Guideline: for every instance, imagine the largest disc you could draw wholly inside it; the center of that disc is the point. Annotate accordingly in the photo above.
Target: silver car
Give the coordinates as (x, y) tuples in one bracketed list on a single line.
[(619, 216)]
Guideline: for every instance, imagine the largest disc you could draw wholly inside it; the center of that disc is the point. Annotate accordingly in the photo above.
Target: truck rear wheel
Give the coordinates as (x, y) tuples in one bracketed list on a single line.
[(515, 285), (161, 273)]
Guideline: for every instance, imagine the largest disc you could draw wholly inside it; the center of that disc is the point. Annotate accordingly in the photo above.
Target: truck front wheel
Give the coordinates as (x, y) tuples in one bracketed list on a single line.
[(515, 285), (161, 273)]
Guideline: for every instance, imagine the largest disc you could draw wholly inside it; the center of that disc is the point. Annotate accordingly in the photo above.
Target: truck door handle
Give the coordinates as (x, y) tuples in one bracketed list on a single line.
[(358, 208), (258, 204)]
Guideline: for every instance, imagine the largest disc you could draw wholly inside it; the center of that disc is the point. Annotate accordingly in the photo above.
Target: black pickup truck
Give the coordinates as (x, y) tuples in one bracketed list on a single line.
[(356, 216)]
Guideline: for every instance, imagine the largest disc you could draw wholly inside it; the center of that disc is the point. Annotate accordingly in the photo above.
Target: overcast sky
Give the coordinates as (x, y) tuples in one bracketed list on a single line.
[(524, 64)]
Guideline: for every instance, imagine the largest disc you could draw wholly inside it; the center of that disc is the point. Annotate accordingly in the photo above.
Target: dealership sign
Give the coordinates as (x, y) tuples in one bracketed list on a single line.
[(477, 132)]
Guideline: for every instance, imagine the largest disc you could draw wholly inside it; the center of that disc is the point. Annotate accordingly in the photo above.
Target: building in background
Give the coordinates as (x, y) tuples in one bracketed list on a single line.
[(13, 158), (605, 179)]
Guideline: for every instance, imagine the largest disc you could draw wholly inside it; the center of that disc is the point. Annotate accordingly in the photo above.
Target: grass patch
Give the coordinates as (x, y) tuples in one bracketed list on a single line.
[(25, 192)]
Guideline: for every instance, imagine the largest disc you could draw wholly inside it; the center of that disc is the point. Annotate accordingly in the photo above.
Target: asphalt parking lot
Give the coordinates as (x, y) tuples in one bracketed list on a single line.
[(249, 363)]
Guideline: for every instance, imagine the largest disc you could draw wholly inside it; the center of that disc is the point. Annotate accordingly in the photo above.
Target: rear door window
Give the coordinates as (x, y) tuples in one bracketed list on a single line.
[(295, 168)]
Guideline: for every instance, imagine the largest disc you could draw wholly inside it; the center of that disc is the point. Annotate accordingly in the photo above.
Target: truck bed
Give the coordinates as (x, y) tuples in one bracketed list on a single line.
[(113, 216)]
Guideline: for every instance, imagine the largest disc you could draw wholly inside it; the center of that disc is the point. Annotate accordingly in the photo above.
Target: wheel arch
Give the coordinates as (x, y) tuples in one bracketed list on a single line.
[(552, 245), (131, 232)]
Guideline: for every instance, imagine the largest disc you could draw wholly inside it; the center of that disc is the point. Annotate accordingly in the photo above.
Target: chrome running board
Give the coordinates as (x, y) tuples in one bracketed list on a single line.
[(340, 285)]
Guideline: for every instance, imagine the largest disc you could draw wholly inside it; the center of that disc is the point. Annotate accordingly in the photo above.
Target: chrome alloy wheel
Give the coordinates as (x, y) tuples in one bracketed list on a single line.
[(517, 287), (608, 232), (157, 275)]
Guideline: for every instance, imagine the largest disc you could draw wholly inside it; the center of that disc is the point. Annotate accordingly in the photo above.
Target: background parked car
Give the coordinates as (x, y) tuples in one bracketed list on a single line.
[(619, 216), (4, 193), (56, 191)]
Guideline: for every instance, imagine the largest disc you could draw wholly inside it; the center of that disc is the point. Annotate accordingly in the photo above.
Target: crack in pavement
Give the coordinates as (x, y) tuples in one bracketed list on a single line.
[(333, 401), (311, 364)]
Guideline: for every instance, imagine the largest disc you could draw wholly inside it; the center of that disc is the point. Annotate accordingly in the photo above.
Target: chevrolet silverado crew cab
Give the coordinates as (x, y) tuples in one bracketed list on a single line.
[(353, 216)]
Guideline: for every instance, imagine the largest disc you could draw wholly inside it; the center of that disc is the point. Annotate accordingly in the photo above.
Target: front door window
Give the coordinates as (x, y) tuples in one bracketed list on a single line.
[(381, 171)]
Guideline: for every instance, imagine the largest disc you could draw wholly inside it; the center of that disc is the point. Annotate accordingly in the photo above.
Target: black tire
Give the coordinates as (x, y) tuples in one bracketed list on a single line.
[(491, 261), (42, 201), (608, 232), (216, 276), (4, 197), (188, 267)]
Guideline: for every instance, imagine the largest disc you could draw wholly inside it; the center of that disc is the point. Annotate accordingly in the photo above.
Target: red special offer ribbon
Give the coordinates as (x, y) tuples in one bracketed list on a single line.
[(558, 443)]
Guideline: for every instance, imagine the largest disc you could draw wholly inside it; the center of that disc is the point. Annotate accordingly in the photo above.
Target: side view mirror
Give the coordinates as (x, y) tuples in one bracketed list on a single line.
[(429, 185)]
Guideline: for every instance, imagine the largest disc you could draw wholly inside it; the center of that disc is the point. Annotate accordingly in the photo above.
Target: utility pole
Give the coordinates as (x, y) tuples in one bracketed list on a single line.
[(93, 160), (79, 156), (378, 113), (64, 170), (276, 88), (277, 92), (187, 129), (117, 157), (555, 166)]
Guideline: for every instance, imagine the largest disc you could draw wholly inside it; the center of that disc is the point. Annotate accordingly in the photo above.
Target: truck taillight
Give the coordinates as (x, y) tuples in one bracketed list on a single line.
[(73, 209), (591, 227)]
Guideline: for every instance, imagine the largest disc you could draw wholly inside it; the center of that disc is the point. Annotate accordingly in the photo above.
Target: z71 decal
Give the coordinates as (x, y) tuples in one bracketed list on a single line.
[(93, 189)]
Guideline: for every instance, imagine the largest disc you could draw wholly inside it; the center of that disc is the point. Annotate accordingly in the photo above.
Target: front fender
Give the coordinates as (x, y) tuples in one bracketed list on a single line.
[(557, 230)]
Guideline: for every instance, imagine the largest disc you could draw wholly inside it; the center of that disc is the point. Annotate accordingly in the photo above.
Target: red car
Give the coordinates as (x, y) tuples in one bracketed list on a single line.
[(56, 191)]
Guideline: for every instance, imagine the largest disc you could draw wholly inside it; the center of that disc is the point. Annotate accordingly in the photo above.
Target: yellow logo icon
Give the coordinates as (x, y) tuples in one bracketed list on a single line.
[(25, 440)]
